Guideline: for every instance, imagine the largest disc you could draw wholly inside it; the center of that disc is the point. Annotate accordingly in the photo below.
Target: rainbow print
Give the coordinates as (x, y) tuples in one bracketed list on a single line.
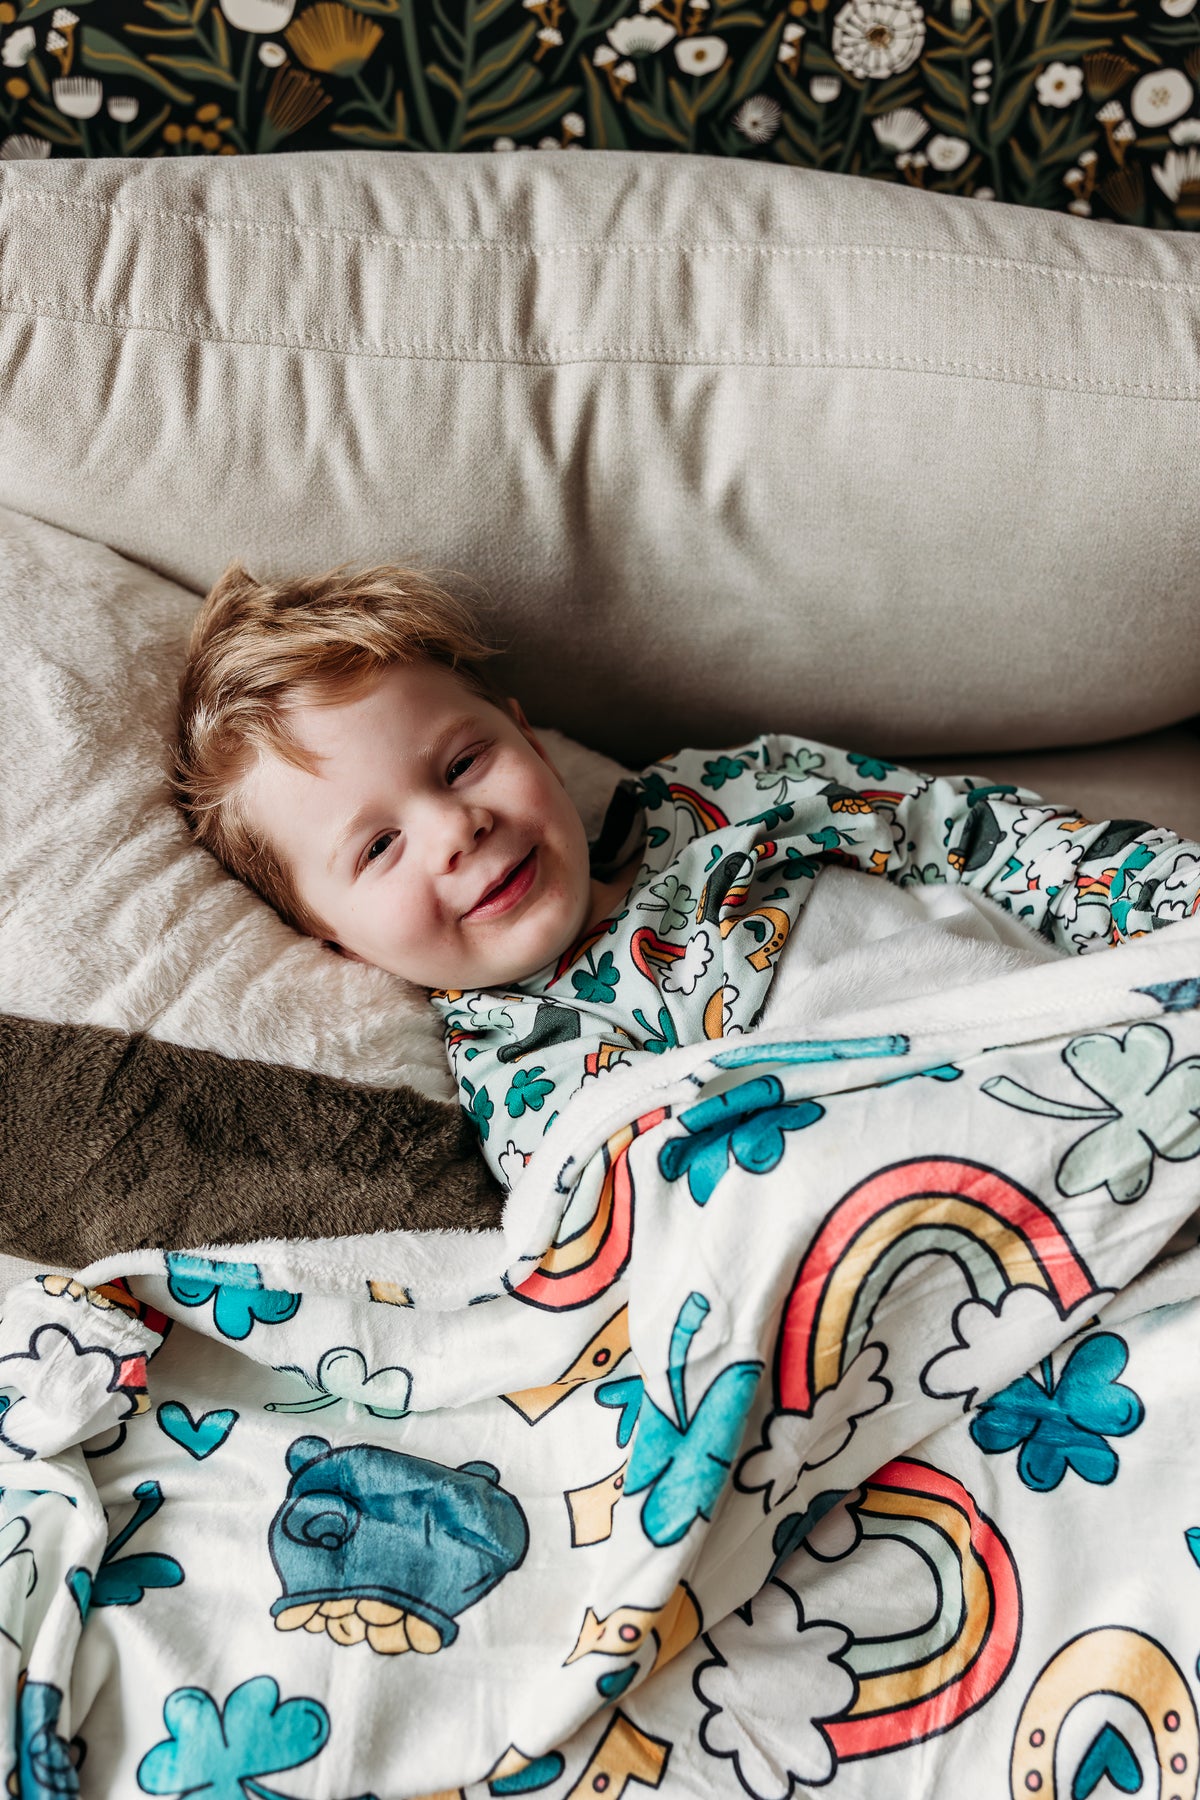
[(1000, 1235), (578, 1267), (913, 1685)]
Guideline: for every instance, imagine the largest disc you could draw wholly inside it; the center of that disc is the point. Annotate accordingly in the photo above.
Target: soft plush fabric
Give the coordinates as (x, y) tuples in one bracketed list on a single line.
[(1088, 112), (718, 447), (573, 1465), (115, 1141)]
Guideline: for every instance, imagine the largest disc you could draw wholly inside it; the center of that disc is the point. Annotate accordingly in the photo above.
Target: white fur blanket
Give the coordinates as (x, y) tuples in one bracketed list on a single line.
[(824, 1414)]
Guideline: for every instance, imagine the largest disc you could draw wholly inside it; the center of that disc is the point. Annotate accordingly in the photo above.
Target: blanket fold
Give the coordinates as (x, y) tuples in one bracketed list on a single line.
[(822, 1415)]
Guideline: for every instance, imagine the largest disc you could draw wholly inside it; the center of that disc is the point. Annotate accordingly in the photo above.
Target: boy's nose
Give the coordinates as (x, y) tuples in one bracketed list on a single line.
[(464, 830)]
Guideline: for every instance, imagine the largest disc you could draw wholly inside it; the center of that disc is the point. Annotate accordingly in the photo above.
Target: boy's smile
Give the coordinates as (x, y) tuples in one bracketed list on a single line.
[(437, 840)]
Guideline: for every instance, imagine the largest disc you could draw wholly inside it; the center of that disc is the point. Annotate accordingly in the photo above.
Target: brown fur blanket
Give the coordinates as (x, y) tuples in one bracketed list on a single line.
[(111, 1141)]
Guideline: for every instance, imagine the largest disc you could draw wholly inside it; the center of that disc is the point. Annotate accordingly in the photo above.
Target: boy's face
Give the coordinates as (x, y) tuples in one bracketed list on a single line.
[(395, 852)]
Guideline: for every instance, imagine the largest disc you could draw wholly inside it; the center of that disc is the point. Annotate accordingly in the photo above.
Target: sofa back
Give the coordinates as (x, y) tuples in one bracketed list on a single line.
[(715, 447)]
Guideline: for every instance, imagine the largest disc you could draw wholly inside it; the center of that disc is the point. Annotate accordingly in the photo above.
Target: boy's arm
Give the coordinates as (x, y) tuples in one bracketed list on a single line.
[(518, 1059), (1082, 884)]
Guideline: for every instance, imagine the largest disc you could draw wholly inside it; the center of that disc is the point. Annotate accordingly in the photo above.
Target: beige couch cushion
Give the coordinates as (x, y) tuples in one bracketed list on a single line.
[(729, 446)]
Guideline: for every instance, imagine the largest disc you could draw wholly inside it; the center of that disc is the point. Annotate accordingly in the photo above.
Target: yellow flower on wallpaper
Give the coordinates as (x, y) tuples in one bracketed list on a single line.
[(331, 38)]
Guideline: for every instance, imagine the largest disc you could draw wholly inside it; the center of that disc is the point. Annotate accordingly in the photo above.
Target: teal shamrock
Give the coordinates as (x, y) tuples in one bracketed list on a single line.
[(685, 1461), (46, 1763), (794, 867), (721, 770), (598, 982), (625, 1395), (481, 1108), (675, 901), (662, 1039), (744, 1126), (654, 792), (1065, 1426), (773, 818), (1151, 1108), (870, 768), (527, 1091), (122, 1581), (215, 1753), (236, 1289)]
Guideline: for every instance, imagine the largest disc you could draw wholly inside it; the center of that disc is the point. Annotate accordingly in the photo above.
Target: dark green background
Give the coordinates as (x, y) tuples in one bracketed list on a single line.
[(247, 77)]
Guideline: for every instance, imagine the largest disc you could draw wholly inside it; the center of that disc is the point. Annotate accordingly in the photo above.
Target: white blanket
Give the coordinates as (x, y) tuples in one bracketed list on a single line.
[(717, 1471)]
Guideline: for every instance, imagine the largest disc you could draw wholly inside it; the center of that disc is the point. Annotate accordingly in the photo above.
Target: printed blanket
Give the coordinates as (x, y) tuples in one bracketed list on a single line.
[(823, 1416)]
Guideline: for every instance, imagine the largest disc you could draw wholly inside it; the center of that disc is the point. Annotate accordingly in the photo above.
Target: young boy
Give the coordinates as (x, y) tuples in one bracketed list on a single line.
[(342, 750)]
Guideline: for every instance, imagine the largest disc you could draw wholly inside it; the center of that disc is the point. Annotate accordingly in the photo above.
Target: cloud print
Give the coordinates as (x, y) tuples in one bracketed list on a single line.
[(764, 1712), (793, 1442), (995, 1344)]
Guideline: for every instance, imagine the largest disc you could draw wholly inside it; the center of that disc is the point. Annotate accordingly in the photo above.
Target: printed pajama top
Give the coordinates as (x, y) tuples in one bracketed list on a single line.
[(733, 841)]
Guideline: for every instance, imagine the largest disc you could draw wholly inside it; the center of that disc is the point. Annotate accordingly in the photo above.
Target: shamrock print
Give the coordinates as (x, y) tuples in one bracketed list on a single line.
[(218, 1751), (1065, 1426), (743, 1126), (674, 899), (794, 765), (598, 982), (528, 1090), (481, 1108), (721, 770), (1151, 1108), (240, 1301), (871, 768)]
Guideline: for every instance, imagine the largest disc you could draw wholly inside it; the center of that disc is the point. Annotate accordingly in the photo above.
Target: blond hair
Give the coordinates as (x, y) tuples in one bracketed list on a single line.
[(258, 646)]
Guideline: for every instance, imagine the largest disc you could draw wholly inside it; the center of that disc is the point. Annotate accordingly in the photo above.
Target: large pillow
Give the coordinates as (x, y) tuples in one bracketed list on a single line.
[(720, 441)]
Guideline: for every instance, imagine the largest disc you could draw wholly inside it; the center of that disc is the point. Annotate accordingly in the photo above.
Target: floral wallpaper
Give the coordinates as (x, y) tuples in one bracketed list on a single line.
[(1061, 104)]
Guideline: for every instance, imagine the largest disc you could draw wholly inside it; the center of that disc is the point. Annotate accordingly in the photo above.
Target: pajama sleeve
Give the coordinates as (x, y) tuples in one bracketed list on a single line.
[(1081, 884), (519, 1058)]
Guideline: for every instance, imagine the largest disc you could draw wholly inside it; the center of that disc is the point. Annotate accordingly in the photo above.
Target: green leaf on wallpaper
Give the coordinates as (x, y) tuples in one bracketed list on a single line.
[(369, 134), (713, 90), (801, 139), (606, 131), (892, 101), (147, 130), (50, 125), (437, 77), (797, 98), (543, 111), (758, 62), (197, 67), (177, 14), (498, 57), (37, 7), (583, 9), (220, 37), (1013, 104), (106, 55), (520, 85), (950, 87), (1141, 48), (1062, 51), (944, 121), (656, 126), (685, 105), (819, 61)]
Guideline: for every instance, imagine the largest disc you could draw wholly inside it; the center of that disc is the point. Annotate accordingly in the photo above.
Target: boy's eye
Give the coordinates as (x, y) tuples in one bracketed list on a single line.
[(463, 762), (375, 850)]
